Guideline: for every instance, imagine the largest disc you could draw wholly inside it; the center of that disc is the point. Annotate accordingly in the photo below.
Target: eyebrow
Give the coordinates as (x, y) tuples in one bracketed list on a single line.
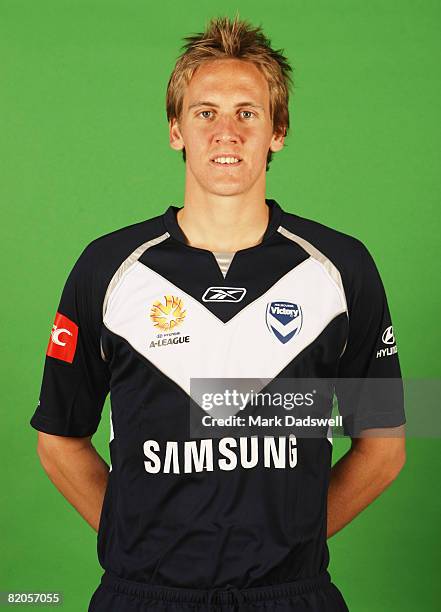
[(206, 103)]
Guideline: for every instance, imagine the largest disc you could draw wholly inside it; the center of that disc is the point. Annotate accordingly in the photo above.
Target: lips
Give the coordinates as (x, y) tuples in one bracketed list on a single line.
[(226, 156), (226, 165), (218, 155)]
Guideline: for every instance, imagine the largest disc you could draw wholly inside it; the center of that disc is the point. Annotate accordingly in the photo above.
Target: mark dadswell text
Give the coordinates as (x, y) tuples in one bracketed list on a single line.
[(287, 420)]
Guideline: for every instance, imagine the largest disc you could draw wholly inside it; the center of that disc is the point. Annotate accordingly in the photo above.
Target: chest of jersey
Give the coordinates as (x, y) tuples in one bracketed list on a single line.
[(184, 339)]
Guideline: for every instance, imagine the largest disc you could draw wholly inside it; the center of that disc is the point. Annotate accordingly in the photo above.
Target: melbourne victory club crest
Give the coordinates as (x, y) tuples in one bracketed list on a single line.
[(166, 316), (284, 320)]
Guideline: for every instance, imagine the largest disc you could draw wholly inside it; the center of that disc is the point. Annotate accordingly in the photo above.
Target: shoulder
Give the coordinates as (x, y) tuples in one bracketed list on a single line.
[(348, 255), (340, 248), (101, 258), (103, 255), (121, 242)]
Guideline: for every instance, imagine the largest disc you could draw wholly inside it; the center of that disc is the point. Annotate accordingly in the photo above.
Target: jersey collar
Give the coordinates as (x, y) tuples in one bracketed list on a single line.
[(172, 226)]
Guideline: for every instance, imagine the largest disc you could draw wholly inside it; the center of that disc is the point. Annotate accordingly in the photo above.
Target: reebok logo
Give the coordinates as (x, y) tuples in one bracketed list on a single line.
[(224, 294)]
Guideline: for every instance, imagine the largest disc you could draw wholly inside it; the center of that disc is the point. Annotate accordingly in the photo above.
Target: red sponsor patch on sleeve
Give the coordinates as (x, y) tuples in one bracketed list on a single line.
[(63, 340)]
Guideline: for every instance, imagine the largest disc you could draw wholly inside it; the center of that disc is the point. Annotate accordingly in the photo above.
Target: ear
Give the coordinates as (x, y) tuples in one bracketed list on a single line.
[(176, 140), (277, 141)]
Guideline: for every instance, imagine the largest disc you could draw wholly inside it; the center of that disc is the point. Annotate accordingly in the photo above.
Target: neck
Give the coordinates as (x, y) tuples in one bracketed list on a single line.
[(225, 224)]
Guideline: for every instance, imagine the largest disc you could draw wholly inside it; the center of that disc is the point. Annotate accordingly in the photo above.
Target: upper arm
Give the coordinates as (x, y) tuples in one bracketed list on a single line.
[(75, 379), (369, 387)]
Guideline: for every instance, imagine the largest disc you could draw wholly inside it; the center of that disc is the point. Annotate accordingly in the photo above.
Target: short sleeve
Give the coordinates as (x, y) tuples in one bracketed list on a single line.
[(75, 378), (369, 386)]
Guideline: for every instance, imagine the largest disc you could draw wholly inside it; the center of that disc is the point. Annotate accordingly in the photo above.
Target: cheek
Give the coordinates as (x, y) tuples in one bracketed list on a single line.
[(197, 143), (260, 139), (259, 149)]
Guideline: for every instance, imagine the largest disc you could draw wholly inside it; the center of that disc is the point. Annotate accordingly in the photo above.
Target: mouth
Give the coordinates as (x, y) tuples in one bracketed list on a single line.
[(226, 161)]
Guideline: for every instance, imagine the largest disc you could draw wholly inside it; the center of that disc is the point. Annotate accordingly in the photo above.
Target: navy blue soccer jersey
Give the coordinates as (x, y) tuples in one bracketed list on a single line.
[(142, 314)]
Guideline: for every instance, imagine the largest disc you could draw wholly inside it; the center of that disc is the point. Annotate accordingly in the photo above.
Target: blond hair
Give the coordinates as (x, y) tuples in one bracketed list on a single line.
[(224, 38)]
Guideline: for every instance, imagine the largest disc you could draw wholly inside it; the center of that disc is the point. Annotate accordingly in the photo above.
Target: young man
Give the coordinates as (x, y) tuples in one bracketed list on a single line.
[(229, 285)]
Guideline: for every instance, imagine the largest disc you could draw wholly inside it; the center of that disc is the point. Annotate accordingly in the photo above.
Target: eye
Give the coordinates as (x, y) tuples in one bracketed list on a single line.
[(249, 112), (205, 111)]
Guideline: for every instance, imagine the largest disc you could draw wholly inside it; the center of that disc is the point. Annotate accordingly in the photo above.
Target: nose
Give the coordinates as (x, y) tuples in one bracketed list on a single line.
[(226, 130)]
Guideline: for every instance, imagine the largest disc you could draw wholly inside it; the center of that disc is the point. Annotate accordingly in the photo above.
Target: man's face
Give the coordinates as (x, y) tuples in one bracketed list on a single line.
[(226, 110)]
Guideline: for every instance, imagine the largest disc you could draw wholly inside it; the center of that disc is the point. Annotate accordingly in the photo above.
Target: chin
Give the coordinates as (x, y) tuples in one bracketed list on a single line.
[(226, 190), (226, 194)]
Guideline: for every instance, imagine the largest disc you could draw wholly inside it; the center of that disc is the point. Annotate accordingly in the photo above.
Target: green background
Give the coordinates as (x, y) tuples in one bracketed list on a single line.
[(84, 143)]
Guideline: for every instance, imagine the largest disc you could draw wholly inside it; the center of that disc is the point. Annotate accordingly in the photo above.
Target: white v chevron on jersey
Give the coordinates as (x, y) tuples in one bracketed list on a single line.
[(240, 347)]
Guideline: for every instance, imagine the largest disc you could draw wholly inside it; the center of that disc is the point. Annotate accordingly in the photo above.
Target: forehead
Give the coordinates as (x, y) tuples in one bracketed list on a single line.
[(232, 78)]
